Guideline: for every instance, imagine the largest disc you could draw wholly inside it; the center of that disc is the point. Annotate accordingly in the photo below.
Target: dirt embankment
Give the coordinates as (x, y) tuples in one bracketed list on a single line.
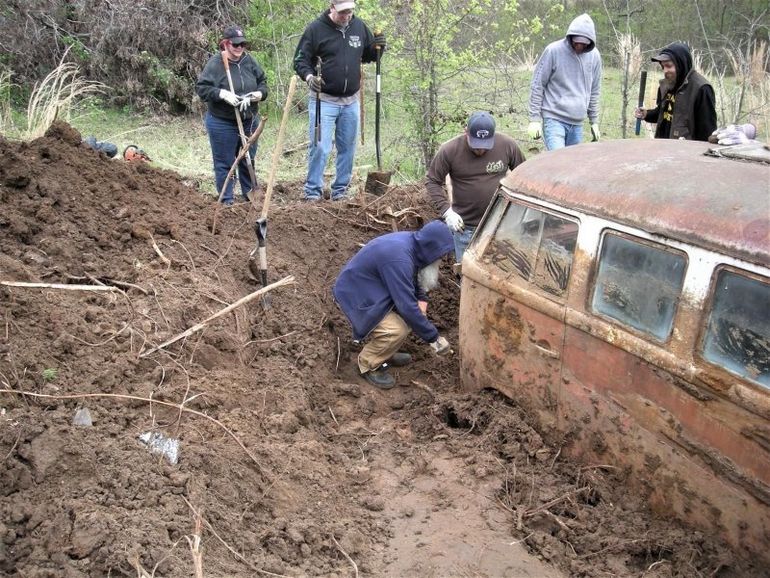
[(289, 464)]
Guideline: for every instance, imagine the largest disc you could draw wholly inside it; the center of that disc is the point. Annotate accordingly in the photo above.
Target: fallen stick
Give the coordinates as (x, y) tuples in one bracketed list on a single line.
[(355, 566), (146, 400), (64, 286), (242, 301), (547, 505), (225, 544)]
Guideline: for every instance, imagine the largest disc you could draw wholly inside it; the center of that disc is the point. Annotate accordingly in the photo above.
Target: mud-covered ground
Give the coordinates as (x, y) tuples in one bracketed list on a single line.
[(288, 463)]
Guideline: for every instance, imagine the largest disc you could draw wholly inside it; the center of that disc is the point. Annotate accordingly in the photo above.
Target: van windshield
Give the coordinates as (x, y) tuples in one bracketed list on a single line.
[(534, 246)]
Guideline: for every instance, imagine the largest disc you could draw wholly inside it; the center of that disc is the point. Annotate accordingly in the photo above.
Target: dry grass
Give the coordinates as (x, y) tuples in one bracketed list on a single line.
[(55, 96), (6, 121)]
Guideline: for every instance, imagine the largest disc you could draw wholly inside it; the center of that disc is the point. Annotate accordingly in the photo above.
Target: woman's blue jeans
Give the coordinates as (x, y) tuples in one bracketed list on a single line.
[(225, 144), (557, 134), (342, 123)]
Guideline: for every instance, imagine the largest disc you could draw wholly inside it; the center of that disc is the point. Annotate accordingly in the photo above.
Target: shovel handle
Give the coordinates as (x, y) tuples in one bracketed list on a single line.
[(377, 106), (642, 86)]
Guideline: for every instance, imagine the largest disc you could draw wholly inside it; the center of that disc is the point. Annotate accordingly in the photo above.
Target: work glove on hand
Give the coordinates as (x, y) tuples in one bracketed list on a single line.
[(595, 134), (734, 134), (534, 129), (247, 99), (453, 221), (379, 40), (315, 83), (229, 97), (440, 346)]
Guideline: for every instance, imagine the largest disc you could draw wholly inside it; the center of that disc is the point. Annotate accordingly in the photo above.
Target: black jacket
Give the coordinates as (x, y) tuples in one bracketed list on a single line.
[(686, 109), (247, 76), (341, 54)]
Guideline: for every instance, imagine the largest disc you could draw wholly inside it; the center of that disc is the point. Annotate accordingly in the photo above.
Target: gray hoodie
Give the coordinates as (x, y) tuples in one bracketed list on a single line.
[(565, 85)]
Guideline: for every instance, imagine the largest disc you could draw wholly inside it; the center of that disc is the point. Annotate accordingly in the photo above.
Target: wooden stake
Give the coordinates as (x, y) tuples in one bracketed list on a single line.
[(63, 286)]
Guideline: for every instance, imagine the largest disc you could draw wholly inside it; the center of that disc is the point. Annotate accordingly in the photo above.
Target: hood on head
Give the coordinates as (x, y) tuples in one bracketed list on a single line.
[(680, 55), (583, 26), (432, 242)]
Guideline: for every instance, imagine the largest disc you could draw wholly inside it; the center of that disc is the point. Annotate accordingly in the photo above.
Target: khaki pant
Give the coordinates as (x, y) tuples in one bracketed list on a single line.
[(383, 342)]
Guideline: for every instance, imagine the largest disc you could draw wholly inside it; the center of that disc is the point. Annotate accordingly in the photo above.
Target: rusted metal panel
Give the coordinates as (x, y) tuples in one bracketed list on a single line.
[(519, 351), (665, 187)]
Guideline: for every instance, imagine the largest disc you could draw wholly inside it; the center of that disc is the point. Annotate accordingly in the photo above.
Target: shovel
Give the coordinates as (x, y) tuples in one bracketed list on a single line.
[(259, 270), (377, 181), (244, 140)]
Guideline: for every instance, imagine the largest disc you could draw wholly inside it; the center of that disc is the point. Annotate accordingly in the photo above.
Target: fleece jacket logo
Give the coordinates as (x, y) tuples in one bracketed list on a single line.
[(354, 41)]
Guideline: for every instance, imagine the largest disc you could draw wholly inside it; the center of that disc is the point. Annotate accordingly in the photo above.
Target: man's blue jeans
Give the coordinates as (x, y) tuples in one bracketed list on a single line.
[(462, 239), (557, 134), (342, 123), (225, 144)]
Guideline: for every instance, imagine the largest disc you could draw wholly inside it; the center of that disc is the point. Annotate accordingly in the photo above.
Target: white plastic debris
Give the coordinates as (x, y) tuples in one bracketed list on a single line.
[(82, 417), (160, 444)]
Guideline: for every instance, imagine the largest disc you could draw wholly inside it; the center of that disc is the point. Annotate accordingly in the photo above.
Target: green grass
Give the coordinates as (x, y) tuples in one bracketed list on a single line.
[(180, 143)]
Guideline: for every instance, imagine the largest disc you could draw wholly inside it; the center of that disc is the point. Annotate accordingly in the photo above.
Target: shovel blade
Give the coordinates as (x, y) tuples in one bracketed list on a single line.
[(377, 182)]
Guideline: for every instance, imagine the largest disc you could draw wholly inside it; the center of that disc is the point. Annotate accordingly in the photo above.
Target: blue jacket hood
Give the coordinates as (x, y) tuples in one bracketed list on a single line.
[(382, 277), (432, 242)]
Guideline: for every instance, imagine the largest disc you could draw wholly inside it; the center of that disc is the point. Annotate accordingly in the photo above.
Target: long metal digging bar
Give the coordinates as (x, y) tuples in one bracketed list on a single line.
[(244, 140)]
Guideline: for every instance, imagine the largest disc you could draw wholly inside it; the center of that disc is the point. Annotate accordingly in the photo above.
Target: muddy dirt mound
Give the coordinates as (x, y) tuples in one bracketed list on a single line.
[(287, 463)]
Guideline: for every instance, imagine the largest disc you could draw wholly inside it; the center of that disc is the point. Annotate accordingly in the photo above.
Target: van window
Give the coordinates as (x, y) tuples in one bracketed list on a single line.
[(738, 331), (638, 284), (535, 246)]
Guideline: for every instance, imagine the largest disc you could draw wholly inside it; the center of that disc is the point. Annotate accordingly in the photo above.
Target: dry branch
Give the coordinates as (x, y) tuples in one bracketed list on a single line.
[(242, 301), (63, 286)]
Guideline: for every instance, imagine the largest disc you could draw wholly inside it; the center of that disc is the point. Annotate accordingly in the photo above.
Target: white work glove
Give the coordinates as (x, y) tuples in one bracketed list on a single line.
[(440, 346), (229, 97), (733, 134), (595, 134), (247, 99), (535, 129), (453, 221)]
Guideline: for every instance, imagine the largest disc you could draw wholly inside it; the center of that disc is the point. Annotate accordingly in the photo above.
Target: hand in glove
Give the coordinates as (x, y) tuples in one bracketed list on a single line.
[(315, 82), (534, 129), (247, 99), (379, 40), (734, 134), (595, 134), (440, 346), (453, 221), (229, 97)]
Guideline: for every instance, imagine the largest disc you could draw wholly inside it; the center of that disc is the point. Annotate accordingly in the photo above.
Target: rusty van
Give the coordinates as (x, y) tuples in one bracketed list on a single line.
[(620, 293)]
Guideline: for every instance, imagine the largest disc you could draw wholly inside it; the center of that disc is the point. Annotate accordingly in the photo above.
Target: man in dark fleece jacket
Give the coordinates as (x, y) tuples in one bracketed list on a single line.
[(337, 42), (383, 292), (685, 106)]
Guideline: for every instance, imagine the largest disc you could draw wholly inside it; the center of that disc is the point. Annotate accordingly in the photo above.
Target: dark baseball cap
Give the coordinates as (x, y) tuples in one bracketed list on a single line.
[(664, 56), (481, 131), (234, 34)]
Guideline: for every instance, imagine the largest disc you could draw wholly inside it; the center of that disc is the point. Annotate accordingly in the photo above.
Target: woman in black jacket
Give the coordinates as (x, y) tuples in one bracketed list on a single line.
[(249, 87)]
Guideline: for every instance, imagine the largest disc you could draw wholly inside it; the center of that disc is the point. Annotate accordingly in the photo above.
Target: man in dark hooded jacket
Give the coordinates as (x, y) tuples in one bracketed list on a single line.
[(685, 106), (383, 292)]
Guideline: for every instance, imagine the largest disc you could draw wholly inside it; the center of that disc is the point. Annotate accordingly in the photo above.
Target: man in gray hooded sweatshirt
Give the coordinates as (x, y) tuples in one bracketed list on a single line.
[(565, 87)]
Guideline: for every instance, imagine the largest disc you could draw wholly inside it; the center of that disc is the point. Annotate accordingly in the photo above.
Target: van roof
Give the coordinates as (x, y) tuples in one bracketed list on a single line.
[(665, 187)]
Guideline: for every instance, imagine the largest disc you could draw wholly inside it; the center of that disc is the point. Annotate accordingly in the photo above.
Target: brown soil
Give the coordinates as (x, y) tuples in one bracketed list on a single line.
[(306, 470)]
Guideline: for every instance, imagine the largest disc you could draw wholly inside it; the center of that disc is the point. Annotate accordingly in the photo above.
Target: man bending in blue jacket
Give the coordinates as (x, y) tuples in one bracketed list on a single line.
[(383, 292)]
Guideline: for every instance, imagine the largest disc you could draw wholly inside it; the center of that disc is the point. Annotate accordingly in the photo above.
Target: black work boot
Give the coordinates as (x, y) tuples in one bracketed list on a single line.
[(380, 377), (400, 359)]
